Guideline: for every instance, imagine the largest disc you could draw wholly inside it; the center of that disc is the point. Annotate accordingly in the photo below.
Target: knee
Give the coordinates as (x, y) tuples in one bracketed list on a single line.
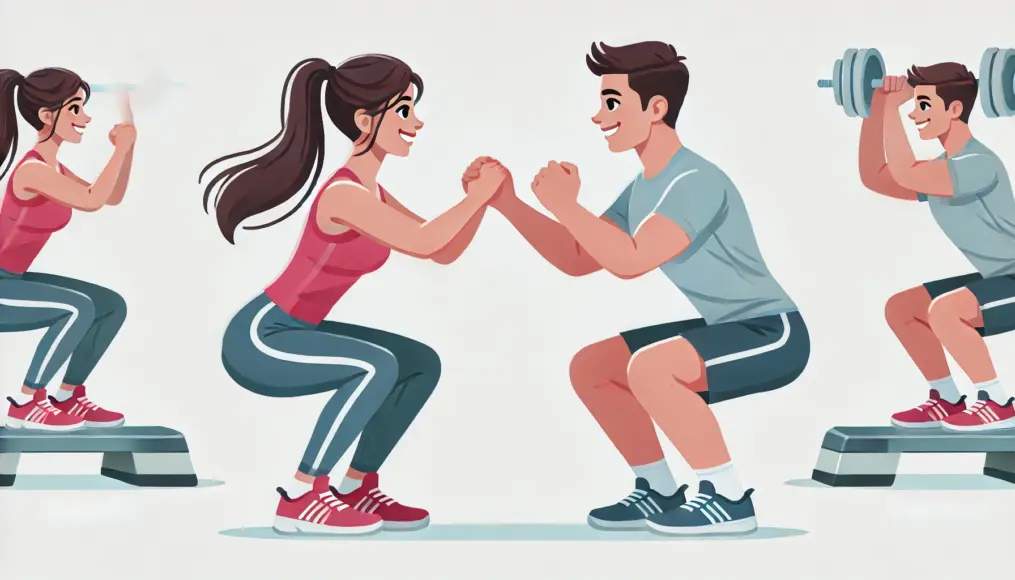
[(655, 369), (582, 370), (952, 309), (905, 307), (114, 306), (426, 364)]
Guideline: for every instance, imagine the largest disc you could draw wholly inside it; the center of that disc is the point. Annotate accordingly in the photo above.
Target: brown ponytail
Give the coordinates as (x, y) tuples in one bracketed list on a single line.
[(294, 157)]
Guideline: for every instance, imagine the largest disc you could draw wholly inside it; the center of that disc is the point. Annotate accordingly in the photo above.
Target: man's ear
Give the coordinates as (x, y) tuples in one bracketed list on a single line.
[(956, 109), (658, 107)]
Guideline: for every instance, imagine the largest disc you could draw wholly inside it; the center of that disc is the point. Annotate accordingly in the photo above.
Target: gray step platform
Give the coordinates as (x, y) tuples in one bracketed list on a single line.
[(140, 456), (869, 456)]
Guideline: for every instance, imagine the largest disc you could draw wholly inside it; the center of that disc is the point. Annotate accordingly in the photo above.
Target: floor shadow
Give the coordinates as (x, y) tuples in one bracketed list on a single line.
[(507, 533), (926, 482), (86, 483)]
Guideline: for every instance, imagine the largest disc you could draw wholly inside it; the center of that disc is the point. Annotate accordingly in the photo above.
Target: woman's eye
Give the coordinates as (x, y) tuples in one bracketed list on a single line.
[(75, 109), (612, 104), (403, 112)]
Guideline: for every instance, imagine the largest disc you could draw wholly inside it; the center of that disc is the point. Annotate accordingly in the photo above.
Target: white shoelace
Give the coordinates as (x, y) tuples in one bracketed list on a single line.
[(929, 404), (380, 497), (84, 402), (48, 408), (975, 407), (697, 502), (634, 497)]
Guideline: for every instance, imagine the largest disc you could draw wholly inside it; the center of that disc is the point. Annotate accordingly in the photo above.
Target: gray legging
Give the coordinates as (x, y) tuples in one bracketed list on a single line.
[(380, 380), (82, 320)]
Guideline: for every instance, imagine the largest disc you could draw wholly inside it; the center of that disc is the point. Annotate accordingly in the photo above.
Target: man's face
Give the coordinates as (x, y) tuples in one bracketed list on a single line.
[(621, 116), (933, 119)]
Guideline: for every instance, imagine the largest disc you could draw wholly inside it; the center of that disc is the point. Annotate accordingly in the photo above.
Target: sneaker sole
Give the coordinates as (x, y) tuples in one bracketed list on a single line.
[(738, 528), (926, 425), (291, 527), (621, 526), (107, 425), (19, 424), (406, 526), (1005, 425)]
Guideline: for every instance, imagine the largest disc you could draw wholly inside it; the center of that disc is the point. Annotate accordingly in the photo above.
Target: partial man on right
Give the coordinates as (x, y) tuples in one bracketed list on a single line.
[(970, 197)]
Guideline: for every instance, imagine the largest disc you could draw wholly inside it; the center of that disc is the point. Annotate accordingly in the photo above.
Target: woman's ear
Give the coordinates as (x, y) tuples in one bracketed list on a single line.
[(364, 122), (46, 116)]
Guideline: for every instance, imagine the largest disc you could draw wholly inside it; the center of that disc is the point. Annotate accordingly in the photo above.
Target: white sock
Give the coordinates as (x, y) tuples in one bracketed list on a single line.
[(724, 478), (994, 390), (298, 488), (947, 388), (349, 485), (63, 394), (658, 475)]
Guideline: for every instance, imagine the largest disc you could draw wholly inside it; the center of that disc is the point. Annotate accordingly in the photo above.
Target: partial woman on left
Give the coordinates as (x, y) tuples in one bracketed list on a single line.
[(41, 196)]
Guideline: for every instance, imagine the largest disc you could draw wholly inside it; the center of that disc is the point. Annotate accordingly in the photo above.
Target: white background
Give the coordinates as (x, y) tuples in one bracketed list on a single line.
[(504, 439)]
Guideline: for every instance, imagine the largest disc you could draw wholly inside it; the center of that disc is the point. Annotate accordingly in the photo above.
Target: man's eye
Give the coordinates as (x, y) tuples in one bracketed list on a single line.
[(612, 104)]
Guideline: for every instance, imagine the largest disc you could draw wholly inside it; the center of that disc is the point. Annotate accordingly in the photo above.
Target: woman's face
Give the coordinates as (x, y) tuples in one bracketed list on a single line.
[(398, 125), (70, 119)]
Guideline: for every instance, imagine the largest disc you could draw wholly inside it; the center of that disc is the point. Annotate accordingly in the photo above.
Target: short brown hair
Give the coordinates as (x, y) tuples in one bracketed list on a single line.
[(653, 69), (952, 81)]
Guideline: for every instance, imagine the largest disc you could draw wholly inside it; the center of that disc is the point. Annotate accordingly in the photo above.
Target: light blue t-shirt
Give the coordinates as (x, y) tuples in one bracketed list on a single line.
[(979, 217), (722, 272)]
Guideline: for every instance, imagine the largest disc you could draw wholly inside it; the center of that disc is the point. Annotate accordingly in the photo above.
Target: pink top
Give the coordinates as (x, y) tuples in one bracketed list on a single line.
[(26, 225), (324, 266)]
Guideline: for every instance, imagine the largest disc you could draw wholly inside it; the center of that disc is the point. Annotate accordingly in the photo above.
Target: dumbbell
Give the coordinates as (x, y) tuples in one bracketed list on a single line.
[(858, 73), (149, 92)]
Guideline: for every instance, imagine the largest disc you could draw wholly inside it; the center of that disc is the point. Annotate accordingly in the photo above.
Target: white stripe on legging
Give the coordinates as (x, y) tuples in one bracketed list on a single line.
[(74, 313), (733, 356), (319, 360)]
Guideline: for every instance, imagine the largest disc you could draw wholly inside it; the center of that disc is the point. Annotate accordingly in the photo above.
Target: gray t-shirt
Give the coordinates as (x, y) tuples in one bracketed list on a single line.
[(722, 272), (979, 218)]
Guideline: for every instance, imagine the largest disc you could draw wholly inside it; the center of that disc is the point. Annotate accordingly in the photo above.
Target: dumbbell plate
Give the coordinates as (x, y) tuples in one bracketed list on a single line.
[(837, 81), (997, 75), (846, 77), (868, 66)]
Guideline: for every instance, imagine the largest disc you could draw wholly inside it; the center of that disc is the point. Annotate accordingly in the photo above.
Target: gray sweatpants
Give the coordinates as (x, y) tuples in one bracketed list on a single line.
[(82, 320), (380, 380)]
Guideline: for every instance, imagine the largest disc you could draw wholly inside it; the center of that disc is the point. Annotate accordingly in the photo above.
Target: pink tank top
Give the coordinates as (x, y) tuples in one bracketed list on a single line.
[(324, 266), (26, 225)]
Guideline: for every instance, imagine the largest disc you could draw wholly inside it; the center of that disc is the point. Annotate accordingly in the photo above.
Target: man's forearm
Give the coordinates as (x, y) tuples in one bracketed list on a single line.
[(550, 239), (872, 141), (897, 148), (609, 246)]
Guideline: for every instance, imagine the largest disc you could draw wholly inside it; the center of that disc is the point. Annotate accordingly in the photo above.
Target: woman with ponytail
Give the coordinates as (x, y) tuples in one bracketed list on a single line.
[(279, 344), (81, 318)]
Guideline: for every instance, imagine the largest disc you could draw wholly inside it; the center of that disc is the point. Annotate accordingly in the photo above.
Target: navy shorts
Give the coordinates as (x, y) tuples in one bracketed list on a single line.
[(996, 296), (745, 357)]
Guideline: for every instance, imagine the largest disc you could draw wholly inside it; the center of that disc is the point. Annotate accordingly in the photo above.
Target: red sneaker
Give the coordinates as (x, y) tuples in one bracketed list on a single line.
[(320, 512), (929, 414), (93, 415), (983, 415), (39, 413), (369, 499)]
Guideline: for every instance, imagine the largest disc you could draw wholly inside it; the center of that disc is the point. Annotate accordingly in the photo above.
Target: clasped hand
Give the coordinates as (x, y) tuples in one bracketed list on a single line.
[(555, 184)]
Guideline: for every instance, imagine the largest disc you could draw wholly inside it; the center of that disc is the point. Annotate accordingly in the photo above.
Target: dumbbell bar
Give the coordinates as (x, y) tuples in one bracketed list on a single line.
[(859, 72), (116, 87)]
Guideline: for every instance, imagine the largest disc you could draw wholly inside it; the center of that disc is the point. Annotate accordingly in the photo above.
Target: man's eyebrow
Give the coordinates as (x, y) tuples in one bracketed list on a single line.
[(608, 92), (922, 98)]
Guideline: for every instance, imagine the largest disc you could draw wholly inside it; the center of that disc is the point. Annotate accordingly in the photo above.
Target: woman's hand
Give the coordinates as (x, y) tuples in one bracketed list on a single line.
[(491, 167), (123, 135)]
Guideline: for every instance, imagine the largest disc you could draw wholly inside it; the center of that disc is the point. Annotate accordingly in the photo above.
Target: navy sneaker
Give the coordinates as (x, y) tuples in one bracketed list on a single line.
[(631, 512), (707, 514)]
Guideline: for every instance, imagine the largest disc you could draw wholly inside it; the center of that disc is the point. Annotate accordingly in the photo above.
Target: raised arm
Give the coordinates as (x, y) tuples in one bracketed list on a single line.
[(37, 178), (354, 206), (874, 172)]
